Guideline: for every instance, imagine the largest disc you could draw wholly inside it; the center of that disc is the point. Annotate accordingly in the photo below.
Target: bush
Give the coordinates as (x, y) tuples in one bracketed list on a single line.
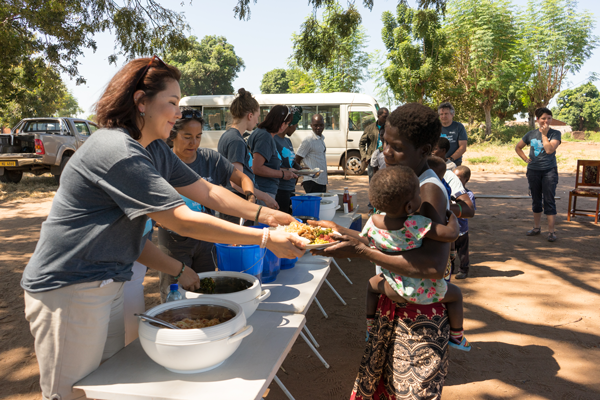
[(501, 133), (590, 136), (483, 160)]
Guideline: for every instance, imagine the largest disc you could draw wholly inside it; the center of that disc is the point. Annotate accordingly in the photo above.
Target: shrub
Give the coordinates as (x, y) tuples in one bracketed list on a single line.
[(501, 133), (483, 160)]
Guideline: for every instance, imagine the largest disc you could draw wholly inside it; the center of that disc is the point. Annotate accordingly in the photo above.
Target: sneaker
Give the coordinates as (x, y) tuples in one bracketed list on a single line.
[(534, 231), (461, 275), (463, 345), (552, 236)]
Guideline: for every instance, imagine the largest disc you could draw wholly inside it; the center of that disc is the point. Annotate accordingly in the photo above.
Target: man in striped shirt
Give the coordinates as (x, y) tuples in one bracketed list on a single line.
[(312, 151)]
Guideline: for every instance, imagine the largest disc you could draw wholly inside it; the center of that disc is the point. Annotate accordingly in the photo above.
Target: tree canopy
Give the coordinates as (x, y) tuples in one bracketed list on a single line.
[(579, 107), (207, 67), (275, 81)]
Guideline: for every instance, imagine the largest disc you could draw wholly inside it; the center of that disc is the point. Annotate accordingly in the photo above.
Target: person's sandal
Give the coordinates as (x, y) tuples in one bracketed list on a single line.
[(552, 236), (463, 345), (534, 231)]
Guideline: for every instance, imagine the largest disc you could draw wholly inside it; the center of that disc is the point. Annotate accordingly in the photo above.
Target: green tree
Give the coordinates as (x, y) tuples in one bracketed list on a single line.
[(68, 106), (579, 107), (555, 41), (483, 35), (383, 92), (208, 67), (300, 81), (418, 53), (275, 81)]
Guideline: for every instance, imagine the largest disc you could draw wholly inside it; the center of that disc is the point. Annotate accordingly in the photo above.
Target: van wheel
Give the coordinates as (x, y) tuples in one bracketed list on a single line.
[(354, 166), (63, 163), (11, 176)]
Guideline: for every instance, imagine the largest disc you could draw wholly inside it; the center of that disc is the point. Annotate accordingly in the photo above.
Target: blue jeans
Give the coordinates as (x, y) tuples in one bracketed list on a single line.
[(543, 183)]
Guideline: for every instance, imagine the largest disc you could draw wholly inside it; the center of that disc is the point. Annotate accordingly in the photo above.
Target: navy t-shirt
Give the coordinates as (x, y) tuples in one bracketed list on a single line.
[(286, 152), (540, 160), (95, 227), (454, 132), (261, 142), (233, 147)]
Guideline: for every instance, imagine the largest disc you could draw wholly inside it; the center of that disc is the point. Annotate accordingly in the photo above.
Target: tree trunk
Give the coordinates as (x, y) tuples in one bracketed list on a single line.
[(531, 120), (488, 121), (581, 124)]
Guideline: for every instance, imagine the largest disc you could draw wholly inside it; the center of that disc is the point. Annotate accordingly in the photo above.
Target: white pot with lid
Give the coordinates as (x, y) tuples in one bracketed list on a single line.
[(327, 210), (326, 196), (189, 351)]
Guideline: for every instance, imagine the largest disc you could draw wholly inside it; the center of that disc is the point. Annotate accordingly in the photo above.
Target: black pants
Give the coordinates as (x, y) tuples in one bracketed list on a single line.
[(543, 183), (314, 187), (462, 254), (283, 200)]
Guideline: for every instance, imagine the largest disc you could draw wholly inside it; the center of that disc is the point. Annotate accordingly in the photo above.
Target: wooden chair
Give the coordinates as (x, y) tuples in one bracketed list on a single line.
[(587, 179)]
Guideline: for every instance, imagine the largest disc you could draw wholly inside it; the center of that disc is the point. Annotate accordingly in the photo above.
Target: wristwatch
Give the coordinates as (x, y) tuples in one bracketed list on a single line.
[(451, 159)]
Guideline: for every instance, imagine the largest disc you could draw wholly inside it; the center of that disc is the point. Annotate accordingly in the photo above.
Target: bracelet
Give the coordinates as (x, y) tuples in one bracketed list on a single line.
[(459, 210), (257, 214), (180, 272), (282, 174), (265, 238)]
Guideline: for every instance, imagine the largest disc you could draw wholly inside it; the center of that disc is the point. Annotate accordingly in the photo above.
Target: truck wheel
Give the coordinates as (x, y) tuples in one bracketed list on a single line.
[(11, 176), (354, 166), (63, 163)]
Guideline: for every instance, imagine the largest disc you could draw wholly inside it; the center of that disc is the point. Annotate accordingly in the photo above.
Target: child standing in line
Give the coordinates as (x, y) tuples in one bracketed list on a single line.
[(462, 243), (395, 193)]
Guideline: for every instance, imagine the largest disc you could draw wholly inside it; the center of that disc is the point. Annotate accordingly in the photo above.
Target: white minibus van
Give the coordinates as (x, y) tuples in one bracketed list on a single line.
[(345, 114)]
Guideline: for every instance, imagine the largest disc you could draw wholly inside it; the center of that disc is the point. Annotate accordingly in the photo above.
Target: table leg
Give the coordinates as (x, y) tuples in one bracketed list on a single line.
[(283, 388), (312, 338), (335, 292), (321, 308), (314, 350), (341, 272)]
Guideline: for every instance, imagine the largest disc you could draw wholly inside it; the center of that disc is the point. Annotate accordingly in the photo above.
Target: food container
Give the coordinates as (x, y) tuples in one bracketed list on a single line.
[(327, 211), (327, 196), (305, 205), (243, 289), (189, 351)]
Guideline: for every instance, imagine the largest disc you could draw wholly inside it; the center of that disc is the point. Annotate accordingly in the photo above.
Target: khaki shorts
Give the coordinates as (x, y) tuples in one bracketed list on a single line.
[(75, 328)]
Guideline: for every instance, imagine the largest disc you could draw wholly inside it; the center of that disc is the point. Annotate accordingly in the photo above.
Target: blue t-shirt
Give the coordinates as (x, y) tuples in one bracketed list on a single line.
[(261, 142), (464, 222), (454, 132), (233, 147), (95, 228), (540, 160), (286, 152)]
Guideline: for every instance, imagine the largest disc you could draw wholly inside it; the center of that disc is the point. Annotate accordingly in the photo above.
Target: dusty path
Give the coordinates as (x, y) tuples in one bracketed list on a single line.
[(531, 307)]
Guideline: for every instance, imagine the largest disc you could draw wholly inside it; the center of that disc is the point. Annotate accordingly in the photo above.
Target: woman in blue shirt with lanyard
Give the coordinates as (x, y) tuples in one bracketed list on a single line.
[(285, 190)]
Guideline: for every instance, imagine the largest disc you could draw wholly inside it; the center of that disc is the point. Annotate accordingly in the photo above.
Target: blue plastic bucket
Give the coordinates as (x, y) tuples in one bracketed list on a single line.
[(306, 206), (287, 263), (247, 259), (271, 263)]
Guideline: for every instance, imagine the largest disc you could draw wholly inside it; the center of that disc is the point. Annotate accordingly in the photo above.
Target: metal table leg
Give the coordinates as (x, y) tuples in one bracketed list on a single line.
[(341, 272), (335, 292), (314, 350)]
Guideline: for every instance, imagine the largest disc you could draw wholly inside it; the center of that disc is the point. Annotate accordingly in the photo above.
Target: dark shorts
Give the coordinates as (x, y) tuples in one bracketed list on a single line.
[(283, 200), (314, 187), (543, 189)]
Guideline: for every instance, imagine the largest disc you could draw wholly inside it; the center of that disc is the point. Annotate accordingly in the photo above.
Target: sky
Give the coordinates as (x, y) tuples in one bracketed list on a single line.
[(264, 41)]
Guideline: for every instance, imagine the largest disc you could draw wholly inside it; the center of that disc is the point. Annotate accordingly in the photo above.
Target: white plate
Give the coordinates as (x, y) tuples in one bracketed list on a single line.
[(308, 171), (320, 246)]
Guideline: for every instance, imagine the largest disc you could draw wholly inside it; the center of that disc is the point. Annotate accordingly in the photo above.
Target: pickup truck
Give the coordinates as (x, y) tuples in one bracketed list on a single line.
[(41, 145)]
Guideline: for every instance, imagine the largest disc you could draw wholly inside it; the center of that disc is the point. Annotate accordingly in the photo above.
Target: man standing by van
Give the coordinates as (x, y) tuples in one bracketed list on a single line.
[(454, 131), (312, 151), (371, 139)]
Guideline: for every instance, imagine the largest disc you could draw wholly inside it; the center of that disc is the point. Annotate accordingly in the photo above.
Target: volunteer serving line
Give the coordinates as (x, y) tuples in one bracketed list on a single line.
[(277, 323)]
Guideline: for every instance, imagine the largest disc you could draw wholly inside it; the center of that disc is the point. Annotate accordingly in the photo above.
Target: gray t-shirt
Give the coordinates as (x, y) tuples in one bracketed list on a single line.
[(234, 148), (261, 142), (540, 160), (95, 227), (285, 148), (454, 132)]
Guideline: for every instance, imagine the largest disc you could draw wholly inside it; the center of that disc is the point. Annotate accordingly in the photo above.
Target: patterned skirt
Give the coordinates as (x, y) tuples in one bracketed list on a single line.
[(407, 353)]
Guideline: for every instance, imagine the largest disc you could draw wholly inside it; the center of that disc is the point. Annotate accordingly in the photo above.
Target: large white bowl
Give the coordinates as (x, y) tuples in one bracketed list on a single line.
[(327, 196), (249, 299), (327, 210), (189, 351)]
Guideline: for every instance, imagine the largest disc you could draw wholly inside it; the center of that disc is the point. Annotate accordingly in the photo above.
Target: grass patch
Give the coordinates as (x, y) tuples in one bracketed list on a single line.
[(590, 136), (484, 160), (30, 187), (518, 162)]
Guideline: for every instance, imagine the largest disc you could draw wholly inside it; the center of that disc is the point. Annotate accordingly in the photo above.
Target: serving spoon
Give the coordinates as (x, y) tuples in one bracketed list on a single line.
[(156, 321)]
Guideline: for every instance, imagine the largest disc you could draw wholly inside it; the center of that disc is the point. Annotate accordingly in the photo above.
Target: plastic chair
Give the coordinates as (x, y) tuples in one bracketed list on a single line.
[(587, 178)]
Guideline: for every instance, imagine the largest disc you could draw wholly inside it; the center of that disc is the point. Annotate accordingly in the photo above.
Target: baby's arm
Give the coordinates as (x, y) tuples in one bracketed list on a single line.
[(445, 233)]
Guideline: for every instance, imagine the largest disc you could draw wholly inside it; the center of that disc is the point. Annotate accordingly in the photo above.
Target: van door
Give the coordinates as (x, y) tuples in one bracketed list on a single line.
[(216, 121), (359, 117)]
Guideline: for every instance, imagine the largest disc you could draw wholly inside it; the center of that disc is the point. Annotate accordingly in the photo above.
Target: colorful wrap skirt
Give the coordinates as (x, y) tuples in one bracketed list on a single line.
[(406, 355)]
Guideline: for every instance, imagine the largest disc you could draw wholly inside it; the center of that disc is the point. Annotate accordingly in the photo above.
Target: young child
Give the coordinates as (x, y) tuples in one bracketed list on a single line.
[(462, 243), (395, 191), (438, 166)]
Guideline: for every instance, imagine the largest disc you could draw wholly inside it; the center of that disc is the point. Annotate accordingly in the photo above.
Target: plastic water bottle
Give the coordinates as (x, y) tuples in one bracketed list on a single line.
[(174, 293)]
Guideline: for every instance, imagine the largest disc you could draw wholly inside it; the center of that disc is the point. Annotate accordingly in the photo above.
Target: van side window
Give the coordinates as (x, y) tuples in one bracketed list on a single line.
[(216, 118), (359, 120), (331, 117)]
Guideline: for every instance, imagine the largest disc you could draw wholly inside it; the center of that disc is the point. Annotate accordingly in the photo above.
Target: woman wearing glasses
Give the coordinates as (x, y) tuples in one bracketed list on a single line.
[(111, 186), (267, 161)]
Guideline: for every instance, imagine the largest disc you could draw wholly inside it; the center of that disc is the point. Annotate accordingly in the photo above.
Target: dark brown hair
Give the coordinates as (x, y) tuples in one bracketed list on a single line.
[(392, 187), (117, 109), (541, 111), (243, 104), (437, 165), (418, 123), (463, 171), (275, 118), (182, 122)]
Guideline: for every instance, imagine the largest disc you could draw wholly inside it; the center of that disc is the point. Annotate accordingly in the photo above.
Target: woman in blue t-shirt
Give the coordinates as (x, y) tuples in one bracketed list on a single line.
[(542, 170), (285, 148)]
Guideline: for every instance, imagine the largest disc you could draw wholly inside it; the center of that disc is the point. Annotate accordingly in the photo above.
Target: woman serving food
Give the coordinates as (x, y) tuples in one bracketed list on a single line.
[(124, 174)]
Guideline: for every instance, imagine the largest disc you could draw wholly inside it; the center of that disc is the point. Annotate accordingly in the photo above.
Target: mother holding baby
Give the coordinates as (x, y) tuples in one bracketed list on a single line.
[(407, 351)]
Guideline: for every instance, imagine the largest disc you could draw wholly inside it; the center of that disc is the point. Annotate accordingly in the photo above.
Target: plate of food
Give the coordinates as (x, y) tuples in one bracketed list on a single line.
[(307, 171), (315, 237)]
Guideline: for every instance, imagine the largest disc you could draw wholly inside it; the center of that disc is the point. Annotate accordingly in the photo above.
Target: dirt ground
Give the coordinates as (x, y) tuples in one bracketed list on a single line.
[(529, 306)]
